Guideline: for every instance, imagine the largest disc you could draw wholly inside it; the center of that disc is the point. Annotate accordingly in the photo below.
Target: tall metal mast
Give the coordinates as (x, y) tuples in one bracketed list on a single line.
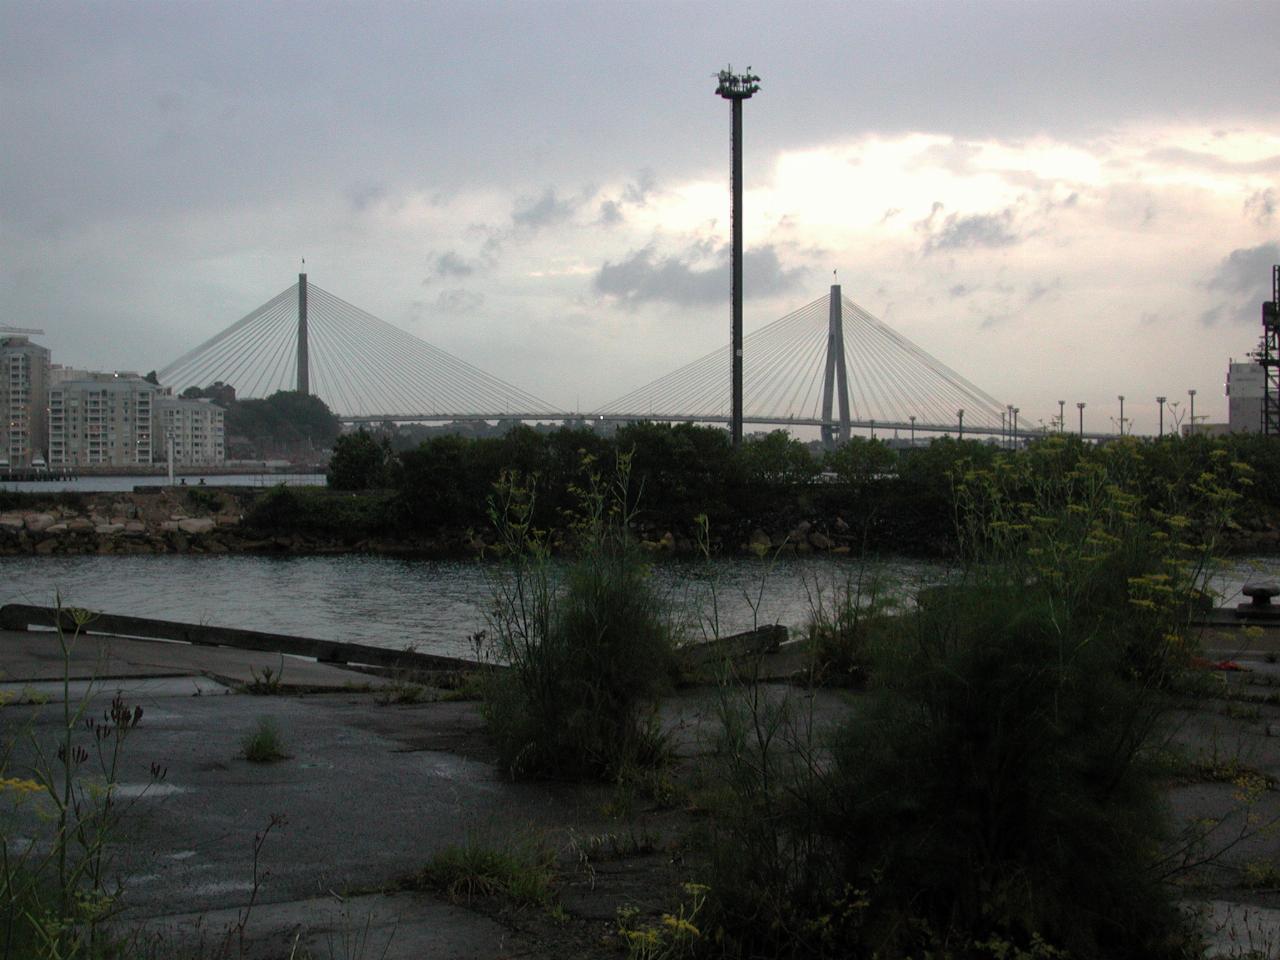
[(304, 369), (736, 87)]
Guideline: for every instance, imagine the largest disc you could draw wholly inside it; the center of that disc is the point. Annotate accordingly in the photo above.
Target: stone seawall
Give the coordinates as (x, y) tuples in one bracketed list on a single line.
[(211, 520)]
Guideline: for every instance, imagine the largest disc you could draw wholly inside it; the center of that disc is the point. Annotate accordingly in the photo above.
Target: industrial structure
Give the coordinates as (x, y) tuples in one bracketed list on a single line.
[(1268, 357), (736, 87)]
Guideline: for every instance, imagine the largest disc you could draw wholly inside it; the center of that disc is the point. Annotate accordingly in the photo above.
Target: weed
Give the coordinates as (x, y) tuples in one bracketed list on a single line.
[(401, 692), (55, 899), (520, 873), (674, 936), (356, 941), (267, 681), (1261, 875), (237, 931), (264, 744)]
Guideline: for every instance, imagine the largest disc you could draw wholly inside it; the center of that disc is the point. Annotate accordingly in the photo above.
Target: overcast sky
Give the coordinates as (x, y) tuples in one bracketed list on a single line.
[(1059, 200)]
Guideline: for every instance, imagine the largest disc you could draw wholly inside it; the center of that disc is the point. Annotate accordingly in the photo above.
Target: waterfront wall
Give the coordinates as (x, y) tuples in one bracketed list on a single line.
[(221, 520)]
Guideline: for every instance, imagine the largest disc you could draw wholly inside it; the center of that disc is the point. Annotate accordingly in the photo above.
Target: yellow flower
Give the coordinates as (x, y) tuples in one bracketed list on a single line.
[(19, 787), (680, 926)]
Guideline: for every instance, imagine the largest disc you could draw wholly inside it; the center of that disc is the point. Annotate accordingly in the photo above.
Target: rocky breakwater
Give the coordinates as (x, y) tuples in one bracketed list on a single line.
[(163, 522), (1255, 531)]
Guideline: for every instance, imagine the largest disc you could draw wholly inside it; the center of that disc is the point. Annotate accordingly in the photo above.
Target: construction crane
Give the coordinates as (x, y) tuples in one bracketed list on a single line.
[(30, 330)]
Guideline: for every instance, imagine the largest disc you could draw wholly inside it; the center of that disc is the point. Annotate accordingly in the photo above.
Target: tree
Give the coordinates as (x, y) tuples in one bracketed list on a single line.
[(286, 420), (359, 462)]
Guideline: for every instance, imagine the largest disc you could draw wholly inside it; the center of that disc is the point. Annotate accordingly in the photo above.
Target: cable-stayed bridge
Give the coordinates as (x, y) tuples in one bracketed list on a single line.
[(829, 364)]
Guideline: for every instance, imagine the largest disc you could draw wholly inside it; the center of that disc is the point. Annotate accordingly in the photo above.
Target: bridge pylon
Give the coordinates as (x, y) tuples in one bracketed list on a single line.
[(835, 383), (304, 367)]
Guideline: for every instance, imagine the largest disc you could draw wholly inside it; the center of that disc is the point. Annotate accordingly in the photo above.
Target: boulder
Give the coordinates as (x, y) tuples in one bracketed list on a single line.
[(108, 528), (12, 521), (196, 525), (46, 546), (39, 521), (820, 541)]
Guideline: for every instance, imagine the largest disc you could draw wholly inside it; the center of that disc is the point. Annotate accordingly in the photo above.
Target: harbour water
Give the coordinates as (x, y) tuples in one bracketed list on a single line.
[(435, 606), (109, 484)]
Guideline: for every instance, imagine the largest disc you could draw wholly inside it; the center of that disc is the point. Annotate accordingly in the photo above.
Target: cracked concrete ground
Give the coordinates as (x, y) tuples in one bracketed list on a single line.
[(371, 789)]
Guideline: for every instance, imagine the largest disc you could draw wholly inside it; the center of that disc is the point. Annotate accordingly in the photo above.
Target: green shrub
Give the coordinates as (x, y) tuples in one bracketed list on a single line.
[(843, 624), (319, 512), (997, 792), (588, 645)]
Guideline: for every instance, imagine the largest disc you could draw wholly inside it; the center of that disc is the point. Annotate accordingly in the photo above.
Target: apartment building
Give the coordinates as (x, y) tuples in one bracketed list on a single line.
[(101, 419), (196, 429), (1246, 386), (24, 382)]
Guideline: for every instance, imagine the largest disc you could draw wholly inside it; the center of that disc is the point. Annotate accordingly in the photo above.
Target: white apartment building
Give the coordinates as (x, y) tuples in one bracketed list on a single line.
[(24, 379), (195, 427), (1245, 389), (101, 419)]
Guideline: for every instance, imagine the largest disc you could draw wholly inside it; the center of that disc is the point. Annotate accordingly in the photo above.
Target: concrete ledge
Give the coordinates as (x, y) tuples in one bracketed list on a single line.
[(21, 616)]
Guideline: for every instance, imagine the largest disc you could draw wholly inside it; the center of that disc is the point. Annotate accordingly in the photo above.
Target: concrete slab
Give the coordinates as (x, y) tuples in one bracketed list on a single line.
[(30, 655), (1241, 930), (400, 926), (53, 691), (370, 791)]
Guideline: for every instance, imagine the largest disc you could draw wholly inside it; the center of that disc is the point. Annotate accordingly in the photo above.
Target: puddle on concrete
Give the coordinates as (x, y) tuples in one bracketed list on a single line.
[(149, 791), (450, 767), (224, 886)]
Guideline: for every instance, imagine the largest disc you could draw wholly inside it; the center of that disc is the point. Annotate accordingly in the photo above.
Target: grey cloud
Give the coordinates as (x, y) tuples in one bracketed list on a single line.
[(1243, 279), (644, 278), (1261, 207), (638, 192), (978, 230), (449, 264), (1038, 290), (547, 210), (459, 301), (364, 196), (611, 212)]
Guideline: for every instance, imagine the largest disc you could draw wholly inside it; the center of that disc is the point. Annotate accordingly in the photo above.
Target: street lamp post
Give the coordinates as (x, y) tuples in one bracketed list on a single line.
[(1015, 427), (1161, 400), (960, 418), (913, 431), (1192, 395), (1121, 399), (1080, 407), (1062, 415)]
